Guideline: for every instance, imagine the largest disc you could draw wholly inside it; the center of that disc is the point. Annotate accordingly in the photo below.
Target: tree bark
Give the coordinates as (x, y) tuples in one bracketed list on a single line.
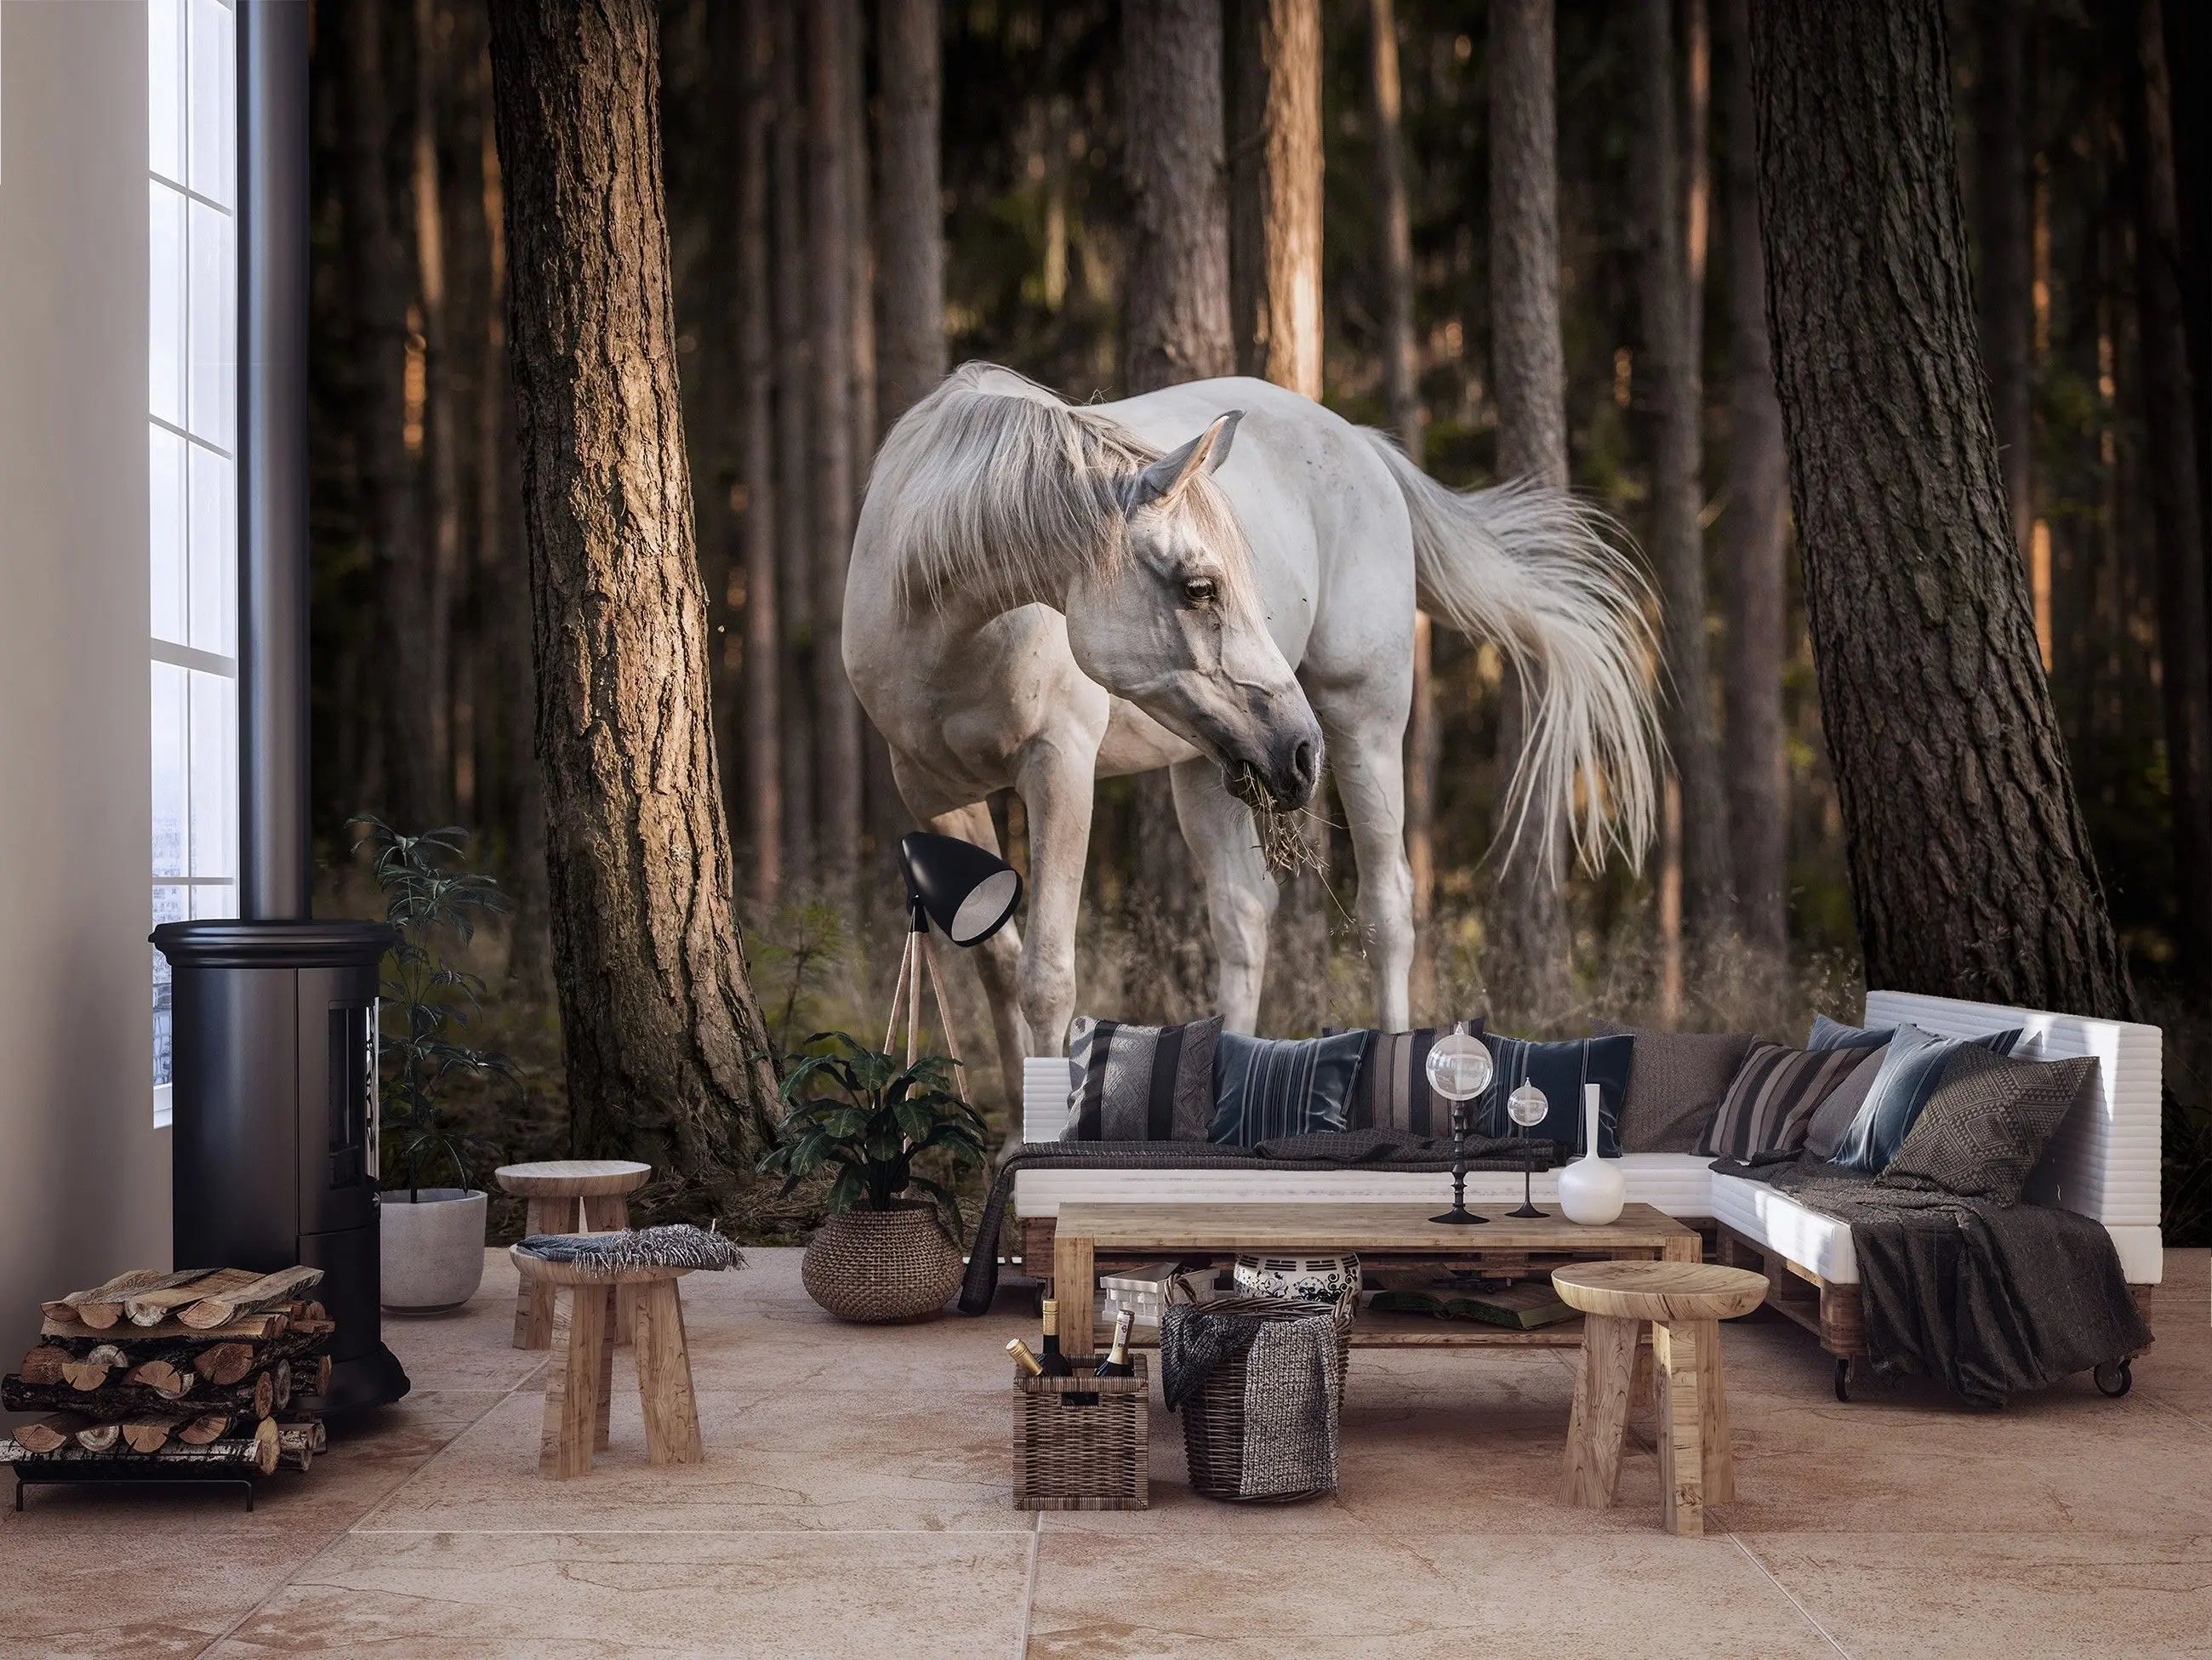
[(2170, 440), (1401, 395), (1174, 323), (2000, 192), (794, 426), (1670, 374), (1754, 532), (1530, 957), (757, 528), (832, 34), (1972, 873), (657, 1012), (390, 477), (1274, 149), (439, 422), (911, 353)]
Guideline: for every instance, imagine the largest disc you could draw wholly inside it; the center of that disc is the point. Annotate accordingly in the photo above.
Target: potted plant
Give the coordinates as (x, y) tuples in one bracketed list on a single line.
[(432, 1235), (879, 1255)]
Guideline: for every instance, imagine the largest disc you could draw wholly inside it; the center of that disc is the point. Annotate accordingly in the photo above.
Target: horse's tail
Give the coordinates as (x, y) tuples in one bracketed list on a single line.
[(1552, 579)]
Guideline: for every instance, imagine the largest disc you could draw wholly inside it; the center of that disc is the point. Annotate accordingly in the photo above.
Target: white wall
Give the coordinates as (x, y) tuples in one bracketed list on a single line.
[(84, 1176)]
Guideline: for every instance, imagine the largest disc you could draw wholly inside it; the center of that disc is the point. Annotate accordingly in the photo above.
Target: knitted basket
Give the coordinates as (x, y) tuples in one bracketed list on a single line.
[(880, 1266), (1213, 1416)]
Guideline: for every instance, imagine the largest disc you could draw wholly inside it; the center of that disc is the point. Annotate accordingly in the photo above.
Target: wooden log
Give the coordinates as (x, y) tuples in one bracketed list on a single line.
[(247, 1328), (99, 1438), (89, 1370), (298, 1443), (71, 1307), (267, 1291), (208, 1426), (225, 1363), (155, 1303), (147, 1434), (318, 1382), (282, 1393), (53, 1433), (258, 1451), (119, 1398), (166, 1379), (43, 1364)]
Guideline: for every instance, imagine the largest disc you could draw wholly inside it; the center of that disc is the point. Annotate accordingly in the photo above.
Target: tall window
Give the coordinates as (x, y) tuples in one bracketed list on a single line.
[(191, 434)]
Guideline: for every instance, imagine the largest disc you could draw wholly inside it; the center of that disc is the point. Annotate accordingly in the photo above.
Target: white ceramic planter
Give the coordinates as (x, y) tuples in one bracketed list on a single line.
[(433, 1249)]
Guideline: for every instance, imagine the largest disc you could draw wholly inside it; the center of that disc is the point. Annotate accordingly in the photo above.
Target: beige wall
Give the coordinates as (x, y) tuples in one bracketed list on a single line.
[(84, 1177)]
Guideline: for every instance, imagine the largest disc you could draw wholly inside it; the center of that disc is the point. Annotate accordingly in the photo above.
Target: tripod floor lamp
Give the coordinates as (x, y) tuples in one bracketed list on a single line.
[(968, 892)]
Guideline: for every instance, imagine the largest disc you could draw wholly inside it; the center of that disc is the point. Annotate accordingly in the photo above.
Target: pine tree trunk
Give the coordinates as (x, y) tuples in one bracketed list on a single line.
[(1529, 963), (658, 1017), (1971, 874), (910, 351), (2001, 188), (832, 65), (390, 477), (1669, 372), (440, 433), (1401, 396), (1275, 190), (756, 529), (1754, 530), (1176, 315), (2170, 440), (794, 428)]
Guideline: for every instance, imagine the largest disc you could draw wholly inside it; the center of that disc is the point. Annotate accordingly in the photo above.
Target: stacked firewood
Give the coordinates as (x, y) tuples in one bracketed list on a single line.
[(203, 1368)]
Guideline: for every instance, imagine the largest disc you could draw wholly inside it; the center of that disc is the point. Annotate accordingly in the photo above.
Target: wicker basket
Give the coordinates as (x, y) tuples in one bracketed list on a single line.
[(1070, 1455), (1213, 1417), (879, 1266)]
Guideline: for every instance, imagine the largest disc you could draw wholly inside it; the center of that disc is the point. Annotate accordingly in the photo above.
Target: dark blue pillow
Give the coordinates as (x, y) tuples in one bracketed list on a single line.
[(1835, 1035), (1560, 1070), (1264, 1087), (1909, 1074)]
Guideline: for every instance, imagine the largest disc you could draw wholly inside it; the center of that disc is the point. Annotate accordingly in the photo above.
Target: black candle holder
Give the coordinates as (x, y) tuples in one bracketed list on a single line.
[(1527, 1182), (1459, 1214)]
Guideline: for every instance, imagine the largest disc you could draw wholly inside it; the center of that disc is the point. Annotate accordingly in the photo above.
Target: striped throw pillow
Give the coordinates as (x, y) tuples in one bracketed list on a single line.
[(1267, 1087), (1911, 1068), (1141, 1083), (1391, 1091), (1771, 1101)]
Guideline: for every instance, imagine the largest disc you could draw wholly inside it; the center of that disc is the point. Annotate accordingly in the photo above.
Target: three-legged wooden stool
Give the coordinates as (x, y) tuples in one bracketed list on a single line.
[(579, 1385), (570, 1196), (1685, 1302)]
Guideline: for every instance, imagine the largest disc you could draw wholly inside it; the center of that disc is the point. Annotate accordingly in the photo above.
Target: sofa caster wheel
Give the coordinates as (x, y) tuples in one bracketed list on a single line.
[(1843, 1380), (2115, 1379)]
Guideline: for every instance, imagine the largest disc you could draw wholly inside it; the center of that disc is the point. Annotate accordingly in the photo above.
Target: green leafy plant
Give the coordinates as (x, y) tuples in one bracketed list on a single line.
[(426, 1000), (857, 1108)]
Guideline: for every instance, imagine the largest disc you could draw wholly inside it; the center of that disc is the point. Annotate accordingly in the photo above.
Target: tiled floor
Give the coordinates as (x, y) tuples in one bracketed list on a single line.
[(854, 1503)]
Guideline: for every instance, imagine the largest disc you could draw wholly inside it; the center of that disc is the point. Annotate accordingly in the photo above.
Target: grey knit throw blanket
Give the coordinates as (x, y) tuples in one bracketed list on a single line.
[(1370, 1149), (675, 1245), (1290, 1388)]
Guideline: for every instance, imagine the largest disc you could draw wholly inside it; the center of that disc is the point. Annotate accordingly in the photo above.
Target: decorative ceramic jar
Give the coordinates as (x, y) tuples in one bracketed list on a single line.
[(1592, 1191), (1324, 1278)]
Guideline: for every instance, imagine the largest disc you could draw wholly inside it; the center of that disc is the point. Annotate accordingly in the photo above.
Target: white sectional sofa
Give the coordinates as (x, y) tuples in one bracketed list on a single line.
[(2103, 1164)]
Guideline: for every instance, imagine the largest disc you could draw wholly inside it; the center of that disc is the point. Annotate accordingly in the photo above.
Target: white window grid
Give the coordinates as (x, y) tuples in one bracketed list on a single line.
[(192, 436)]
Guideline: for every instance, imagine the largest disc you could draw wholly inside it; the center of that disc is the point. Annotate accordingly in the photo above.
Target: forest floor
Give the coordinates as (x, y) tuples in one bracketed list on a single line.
[(855, 1501)]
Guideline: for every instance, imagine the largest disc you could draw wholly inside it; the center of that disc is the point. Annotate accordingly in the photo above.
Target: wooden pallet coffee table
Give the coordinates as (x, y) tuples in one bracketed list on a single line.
[(1383, 1236)]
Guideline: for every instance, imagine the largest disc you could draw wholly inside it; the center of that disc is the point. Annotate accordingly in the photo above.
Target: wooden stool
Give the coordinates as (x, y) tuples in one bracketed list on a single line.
[(570, 1196), (1685, 1302), (579, 1390)]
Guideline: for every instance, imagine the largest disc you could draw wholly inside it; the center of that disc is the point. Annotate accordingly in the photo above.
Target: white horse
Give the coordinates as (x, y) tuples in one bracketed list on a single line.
[(1042, 594)]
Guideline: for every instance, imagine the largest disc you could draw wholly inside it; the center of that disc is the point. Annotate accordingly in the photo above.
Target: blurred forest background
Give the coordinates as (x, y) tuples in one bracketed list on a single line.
[(860, 193)]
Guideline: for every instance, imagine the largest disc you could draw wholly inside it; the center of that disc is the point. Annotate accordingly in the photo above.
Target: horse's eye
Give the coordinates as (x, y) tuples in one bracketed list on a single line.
[(1198, 590)]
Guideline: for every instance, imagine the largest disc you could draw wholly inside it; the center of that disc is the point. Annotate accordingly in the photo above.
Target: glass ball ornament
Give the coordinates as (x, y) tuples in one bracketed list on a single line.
[(1527, 1106), (1459, 1068)]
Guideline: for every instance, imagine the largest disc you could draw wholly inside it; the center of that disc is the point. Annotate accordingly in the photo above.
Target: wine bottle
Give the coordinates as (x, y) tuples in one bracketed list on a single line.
[(1055, 1363), (1116, 1363), (1030, 1364)]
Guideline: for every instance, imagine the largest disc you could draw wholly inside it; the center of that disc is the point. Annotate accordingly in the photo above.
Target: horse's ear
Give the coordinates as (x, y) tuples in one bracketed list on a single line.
[(1175, 469)]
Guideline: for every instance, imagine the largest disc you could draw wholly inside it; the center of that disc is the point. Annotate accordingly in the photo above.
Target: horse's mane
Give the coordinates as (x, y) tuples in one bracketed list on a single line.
[(995, 486)]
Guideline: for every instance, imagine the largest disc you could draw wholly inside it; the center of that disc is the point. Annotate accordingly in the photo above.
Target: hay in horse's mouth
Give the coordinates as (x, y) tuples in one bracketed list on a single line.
[(1284, 842)]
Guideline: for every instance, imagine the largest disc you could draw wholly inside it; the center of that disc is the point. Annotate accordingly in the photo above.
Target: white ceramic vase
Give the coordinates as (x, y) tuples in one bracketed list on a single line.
[(1592, 1191)]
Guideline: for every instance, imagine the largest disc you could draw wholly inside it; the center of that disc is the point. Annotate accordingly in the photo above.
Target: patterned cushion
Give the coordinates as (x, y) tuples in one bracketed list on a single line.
[(1832, 1117), (1141, 1083), (1986, 1123), (1675, 1083), (1391, 1091), (1769, 1103), (1835, 1035), (1264, 1087), (1911, 1067), (1560, 1070)]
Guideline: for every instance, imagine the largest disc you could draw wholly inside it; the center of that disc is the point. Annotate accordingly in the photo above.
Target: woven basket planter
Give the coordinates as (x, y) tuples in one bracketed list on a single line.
[(1070, 1454), (1213, 1417), (882, 1265)]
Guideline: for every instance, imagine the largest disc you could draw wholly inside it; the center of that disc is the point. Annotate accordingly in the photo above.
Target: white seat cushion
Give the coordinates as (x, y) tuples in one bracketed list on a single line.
[(1782, 1225)]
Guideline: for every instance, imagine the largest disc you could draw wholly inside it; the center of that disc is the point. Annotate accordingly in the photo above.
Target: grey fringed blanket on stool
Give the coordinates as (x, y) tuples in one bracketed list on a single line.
[(1289, 1390), (675, 1245)]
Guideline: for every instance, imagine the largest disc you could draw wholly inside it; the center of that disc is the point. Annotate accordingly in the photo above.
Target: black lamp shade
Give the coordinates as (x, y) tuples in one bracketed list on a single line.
[(968, 892)]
